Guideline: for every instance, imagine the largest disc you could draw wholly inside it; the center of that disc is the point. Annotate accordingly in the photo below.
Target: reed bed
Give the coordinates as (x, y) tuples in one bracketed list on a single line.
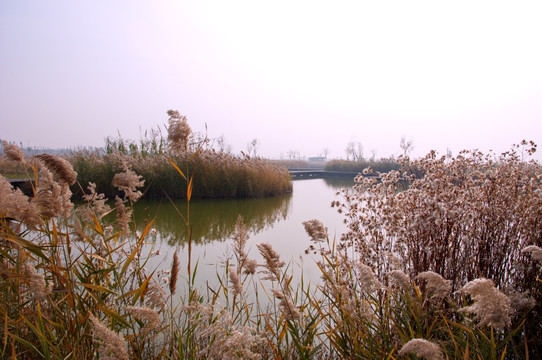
[(73, 286), (217, 174)]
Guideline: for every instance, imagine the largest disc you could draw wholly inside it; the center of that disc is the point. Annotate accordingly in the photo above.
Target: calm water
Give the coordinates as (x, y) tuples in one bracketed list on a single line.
[(276, 220)]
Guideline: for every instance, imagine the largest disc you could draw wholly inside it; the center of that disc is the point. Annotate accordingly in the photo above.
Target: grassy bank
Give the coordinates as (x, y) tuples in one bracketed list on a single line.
[(448, 268)]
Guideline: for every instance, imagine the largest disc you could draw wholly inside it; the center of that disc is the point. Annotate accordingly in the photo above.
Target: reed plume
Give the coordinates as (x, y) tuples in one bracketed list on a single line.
[(112, 344), (491, 306), (128, 181), (149, 316), (37, 284), (178, 133), (436, 285), (60, 167), (422, 348), (13, 152), (272, 262), (174, 274)]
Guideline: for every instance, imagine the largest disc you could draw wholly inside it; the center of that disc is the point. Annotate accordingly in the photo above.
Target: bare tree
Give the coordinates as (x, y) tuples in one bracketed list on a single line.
[(252, 147), (354, 151), (407, 146), (222, 145), (292, 154), (325, 152)]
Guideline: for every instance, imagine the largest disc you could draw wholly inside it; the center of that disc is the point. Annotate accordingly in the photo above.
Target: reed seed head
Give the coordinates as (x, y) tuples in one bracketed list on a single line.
[(174, 274), (422, 348), (437, 286), (13, 152), (112, 344), (149, 316), (60, 167), (491, 306)]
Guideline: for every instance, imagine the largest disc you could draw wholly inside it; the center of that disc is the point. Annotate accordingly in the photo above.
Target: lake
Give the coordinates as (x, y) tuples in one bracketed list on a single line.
[(275, 220)]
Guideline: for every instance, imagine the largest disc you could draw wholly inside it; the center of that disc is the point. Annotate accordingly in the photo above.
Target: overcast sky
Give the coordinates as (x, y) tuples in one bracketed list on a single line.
[(296, 75)]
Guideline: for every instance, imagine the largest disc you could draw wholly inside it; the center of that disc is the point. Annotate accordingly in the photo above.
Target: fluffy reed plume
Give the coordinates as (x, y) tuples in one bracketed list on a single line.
[(535, 251), (124, 216), (112, 344), (52, 198), (155, 296), (240, 237), (96, 201), (128, 181), (399, 279), (60, 167), (13, 152), (316, 230), (37, 284), (250, 267), (228, 340), (149, 316), (178, 133), (436, 285), (174, 274), (368, 281), (272, 262), (235, 283), (16, 205), (422, 348), (491, 306)]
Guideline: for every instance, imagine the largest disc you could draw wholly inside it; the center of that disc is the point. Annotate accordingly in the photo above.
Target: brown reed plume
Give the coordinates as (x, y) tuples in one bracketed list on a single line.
[(112, 345), (491, 307), (60, 167), (13, 152), (174, 274), (178, 133), (422, 348)]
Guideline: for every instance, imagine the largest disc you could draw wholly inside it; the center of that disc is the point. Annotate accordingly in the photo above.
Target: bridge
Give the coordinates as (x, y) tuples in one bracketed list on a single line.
[(319, 173)]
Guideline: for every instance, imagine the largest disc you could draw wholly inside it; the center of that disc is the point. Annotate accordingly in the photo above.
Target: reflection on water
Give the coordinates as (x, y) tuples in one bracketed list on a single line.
[(339, 182), (211, 220)]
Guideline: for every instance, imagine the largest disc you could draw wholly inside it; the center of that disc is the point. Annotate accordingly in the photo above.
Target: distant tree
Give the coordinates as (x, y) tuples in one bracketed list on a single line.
[(252, 147), (222, 145), (293, 154), (325, 152), (406, 146), (373, 155), (354, 151)]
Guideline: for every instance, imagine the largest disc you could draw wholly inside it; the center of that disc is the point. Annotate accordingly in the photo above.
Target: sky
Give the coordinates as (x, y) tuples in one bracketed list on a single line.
[(299, 76)]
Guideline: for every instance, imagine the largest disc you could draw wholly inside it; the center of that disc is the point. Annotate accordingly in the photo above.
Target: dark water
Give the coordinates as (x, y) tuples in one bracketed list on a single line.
[(276, 220)]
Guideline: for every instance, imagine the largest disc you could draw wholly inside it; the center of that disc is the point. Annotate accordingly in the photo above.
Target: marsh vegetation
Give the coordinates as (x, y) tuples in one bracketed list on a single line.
[(447, 267)]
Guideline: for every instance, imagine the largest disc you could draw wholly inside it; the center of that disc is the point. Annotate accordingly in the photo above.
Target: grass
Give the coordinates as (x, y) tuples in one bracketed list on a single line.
[(76, 287)]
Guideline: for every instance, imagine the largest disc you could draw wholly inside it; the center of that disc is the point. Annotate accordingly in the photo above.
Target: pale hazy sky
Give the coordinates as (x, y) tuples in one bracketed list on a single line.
[(296, 75)]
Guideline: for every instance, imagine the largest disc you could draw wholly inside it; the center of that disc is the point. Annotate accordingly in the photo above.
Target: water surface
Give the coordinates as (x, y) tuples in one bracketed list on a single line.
[(276, 220)]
